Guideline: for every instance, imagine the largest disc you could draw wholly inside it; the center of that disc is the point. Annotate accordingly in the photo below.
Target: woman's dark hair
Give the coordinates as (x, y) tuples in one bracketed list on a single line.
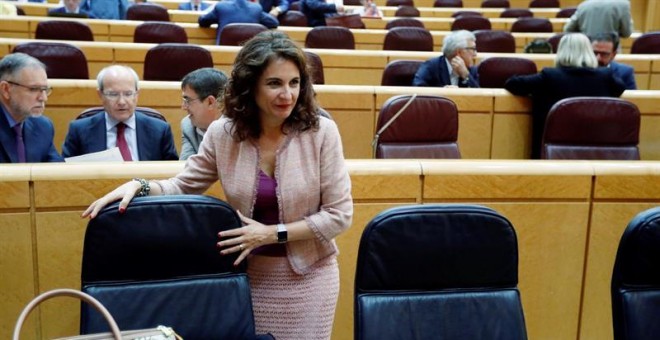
[(251, 61)]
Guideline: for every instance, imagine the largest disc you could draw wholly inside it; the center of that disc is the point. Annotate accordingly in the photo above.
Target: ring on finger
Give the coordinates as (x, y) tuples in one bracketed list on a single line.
[(240, 246)]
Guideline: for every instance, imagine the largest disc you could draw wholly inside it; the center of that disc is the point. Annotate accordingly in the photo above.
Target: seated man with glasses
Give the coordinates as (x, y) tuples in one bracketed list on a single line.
[(26, 136), (137, 135), (202, 92), (605, 46), (455, 67)]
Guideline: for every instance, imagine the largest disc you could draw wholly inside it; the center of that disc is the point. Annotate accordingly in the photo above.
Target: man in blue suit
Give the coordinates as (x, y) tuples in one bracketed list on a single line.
[(236, 11), (26, 136), (137, 135), (455, 67), (194, 5), (274, 7), (605, 46), (73, 7)]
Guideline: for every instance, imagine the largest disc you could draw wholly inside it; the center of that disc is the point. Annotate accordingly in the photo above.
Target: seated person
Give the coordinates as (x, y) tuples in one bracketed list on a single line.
[(605, 46), (236, 11), (194, 5), (576, 74), (202, 92), (137, 135), (106, 9), (71, 6), (455, 67), (317, 10), (369, 9), (274, 7), (26, 135)]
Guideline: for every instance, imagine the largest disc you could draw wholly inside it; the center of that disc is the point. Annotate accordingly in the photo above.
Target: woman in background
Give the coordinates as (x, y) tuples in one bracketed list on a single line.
[(576, 73), (281, 166)]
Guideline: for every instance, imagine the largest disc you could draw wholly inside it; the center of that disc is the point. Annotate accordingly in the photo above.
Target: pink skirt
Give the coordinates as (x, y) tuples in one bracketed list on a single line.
[(293, 306)]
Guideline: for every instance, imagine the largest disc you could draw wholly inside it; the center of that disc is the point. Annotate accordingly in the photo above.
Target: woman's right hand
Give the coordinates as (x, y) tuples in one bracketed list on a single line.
[(125, 192)]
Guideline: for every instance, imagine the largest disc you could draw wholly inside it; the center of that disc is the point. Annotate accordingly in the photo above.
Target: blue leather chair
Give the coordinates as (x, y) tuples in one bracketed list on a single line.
[(438, 272), (636, 279), (157, 264)]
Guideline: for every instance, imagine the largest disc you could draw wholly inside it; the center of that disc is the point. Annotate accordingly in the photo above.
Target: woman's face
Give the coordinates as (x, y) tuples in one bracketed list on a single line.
[(277, 91)]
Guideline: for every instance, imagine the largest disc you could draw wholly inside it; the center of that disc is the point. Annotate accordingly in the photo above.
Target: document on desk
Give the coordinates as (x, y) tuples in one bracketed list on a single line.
[(110, 155)]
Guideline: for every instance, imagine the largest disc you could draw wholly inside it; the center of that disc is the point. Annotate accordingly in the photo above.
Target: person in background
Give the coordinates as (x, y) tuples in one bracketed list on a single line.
[(281, 166), (137, 135), (71, 6), (236, 11), (106, 9), (601, 16), (8, 9), (455, 67), (317, 10), (605, 46), (274, 7), (576, 73), (369, 9), (202, 93), (194, 5), (26, 136)]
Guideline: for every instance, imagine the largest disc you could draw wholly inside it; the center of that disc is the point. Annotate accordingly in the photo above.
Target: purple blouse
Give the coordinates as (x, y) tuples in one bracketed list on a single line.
[(266, 211)]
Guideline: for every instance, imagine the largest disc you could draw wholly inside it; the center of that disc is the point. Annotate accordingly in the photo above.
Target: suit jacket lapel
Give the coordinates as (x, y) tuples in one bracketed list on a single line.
[(7, 139), (444, 71), (97, 138), (142, 132)]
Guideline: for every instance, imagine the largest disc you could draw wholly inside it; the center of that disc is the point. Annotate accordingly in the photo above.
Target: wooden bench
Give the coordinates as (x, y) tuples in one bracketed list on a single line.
[(493, 124), (568, 217)]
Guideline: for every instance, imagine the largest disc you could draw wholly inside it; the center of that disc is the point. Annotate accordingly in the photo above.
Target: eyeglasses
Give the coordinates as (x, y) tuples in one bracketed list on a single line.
[(473, 49), (34, 89), (114, 95), (604, 54), (187, 101)]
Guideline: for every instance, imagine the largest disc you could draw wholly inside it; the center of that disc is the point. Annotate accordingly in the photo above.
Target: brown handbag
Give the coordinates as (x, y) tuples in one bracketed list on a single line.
[(347, 20), (158, 333)]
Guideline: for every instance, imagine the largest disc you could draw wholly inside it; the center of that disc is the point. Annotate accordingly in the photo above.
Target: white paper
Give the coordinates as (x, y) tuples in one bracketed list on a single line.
[(109, 155)]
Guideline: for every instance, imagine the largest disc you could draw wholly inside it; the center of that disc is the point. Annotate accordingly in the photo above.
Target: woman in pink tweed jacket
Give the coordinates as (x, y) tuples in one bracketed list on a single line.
[(281, 166)]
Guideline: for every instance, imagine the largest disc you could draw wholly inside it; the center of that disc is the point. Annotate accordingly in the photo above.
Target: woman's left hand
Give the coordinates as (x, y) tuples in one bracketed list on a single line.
[(244, 239)]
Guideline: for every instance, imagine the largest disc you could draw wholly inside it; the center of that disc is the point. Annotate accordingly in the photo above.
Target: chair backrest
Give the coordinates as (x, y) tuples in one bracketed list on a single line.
[(20, 11), (63, 30), (98, 109), (147, 12), (467, 14), (171, 61), (236, 34), (516, 13), (532, 25), (404, 22), (438, 272), (470, 23), (495, 4), (292, 18), (554, 41), (636, 279), (592, 128), (400, 72), (408, 39), (315, 66), (330, 37), (495, 41), (157, 263), (406, 11), (647, 43), (566, 12), (494, 71), (62, 60), (448, 3), (428, 128), (155, 32), (395, 3), (544, 4)]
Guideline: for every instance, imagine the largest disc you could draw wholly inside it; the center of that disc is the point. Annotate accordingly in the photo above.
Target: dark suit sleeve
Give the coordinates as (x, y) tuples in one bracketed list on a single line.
[(167, 146), (524, 85), (424, 75), (628, 77), (209, 18), (268, 20), (473, 78), (318, 6), (617, 86), (71, 146), (52, 155)]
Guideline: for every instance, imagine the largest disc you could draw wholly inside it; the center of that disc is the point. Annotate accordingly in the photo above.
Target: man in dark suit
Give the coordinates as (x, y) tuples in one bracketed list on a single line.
[(72, 7), (26, 136), (236, 11), (455, 67), (605, 46), (194, 5), (317, 10), (138, 136)]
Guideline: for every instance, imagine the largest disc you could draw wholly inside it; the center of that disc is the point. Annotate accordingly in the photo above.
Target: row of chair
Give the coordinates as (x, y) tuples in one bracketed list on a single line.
[(440, 271), (459, 3)]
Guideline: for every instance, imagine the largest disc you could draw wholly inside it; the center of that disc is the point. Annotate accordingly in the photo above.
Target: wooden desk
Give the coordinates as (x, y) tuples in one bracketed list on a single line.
[(568, 218), (493, 124)]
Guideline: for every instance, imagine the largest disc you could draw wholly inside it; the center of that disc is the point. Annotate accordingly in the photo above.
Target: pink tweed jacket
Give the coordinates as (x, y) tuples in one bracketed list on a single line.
[(312, 183)]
